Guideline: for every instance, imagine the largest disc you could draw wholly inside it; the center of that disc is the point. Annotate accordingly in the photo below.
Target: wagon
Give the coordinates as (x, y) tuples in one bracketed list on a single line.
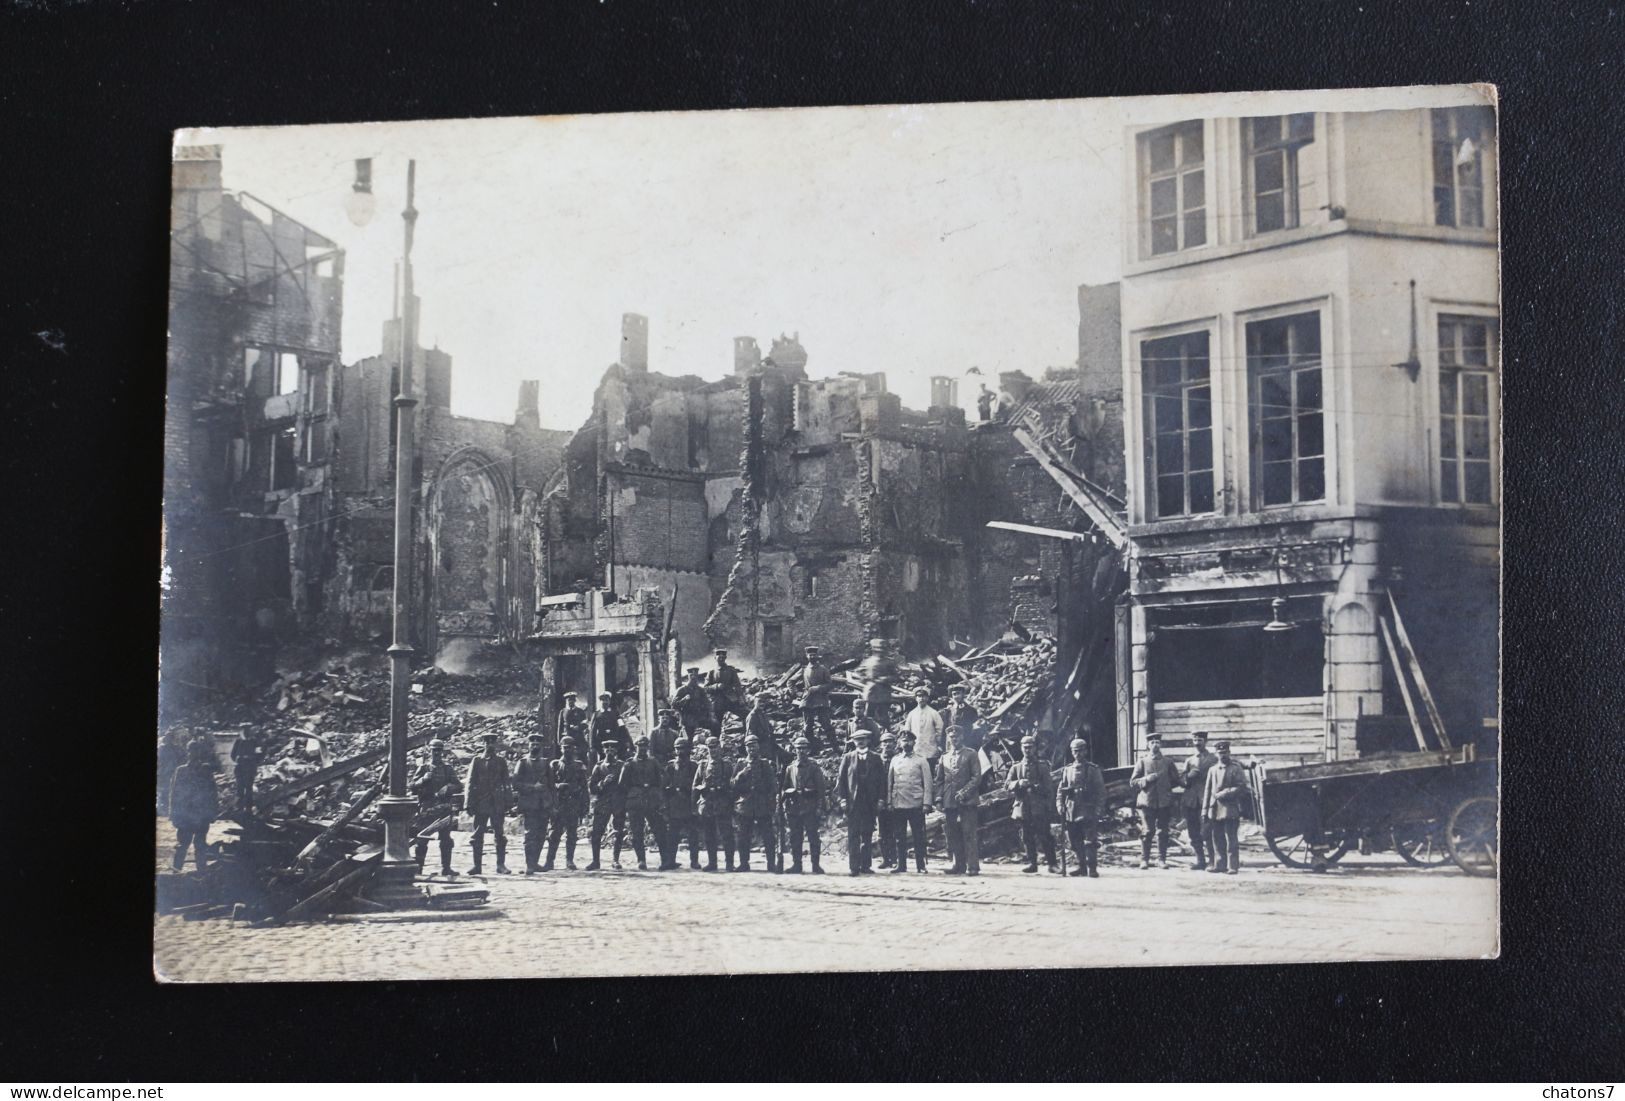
[(1431, 806)]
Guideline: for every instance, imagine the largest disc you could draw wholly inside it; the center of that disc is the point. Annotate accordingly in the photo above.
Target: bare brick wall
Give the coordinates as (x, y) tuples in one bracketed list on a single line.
[(659, 520)]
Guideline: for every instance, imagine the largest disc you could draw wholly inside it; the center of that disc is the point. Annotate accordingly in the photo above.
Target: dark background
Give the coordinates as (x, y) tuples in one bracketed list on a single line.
[(91, 92)]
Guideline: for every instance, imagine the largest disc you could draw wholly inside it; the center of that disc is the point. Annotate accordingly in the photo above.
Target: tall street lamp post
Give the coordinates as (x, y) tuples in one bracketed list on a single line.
[(399, 809)]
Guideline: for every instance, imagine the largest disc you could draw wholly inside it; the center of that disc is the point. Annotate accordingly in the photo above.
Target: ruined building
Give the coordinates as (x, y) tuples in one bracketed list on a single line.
[(249, 432)]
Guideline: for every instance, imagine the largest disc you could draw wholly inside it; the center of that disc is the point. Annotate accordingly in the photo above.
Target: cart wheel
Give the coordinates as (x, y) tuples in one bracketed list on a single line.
[(1472, 838), (1422, 844), (1296, 851)]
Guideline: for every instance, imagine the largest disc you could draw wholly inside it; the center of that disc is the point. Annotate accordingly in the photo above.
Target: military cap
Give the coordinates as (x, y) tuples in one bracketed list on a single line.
[(570, 695), (606, 695), (908, 736), (1224, 745), (438, 743), (751, 739), (803, 741), (888, 736), (814, 650), (1153, 737), (712, 740), (537, 738), (567, 740), (1200, 735), (1077, 742), (922, 690), (641, 739), (1028, 740), (958, 689), (489, 734), (720, 653), (693, 670), (680, 742)]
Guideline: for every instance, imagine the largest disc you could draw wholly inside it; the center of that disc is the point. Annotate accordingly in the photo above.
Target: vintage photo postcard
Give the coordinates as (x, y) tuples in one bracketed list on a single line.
[(1028, 534)]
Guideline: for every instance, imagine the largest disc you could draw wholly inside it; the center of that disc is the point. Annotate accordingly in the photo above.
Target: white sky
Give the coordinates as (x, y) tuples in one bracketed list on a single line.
[(915, 240)]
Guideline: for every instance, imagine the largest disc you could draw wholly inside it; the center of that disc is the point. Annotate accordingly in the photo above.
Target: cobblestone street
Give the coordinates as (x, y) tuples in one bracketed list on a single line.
[(572, 924)]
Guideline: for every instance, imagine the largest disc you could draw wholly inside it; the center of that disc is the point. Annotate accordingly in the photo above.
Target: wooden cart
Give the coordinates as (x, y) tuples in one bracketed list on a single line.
[(1432, 807)]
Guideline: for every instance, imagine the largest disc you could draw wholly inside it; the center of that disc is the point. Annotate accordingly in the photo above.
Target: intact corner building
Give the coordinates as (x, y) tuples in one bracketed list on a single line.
[(1310, 369)]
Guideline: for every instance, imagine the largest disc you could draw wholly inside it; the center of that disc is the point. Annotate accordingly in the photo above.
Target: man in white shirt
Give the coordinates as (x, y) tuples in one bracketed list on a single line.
[(925, 723)]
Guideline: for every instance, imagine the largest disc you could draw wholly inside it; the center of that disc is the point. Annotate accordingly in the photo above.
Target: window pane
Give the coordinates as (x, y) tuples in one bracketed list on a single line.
[(1164, 197), (1164, 235), (1275, 439), (1472, 206), (1160, 151), (1190, 144), (1311, 480), (1448, 336), (1202, 492), (1311, 435), (1200, 408), (1196, 349), (1269, 212), (1266, 131), (1267, 341), (1269, 172), (1308, 390), (1201, 451), (1170, 495), (1274, 400), (1475, 442), (1447, 391), (1447, 437), (1170, 455), (1195, 228), (1168, 415), (1447, 481), (1444, 206), (1475, 338), (1278, 483), (1475, 393), (1476, 483), (287, 379), (1194, 186), (1306, 336), (1164, 371)]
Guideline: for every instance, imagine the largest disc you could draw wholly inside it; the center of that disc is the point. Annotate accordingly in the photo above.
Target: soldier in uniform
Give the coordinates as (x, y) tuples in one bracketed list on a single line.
[(246, 752), (1155, 778), (803, 789), (537, 799), (713, 793), (193, 804), (963, 714), (1080, 798), (877, 673), (759, 726), (726, 690), (861, 783), (573, 720), (755, 789), (570, 782), (1223, 799), (1034, 790), (815, 688), (643, 781), (663, 739), (437, 787), (885, 820), (608, 802), (487, 795), (959, 775), (693, 703), (681, 819), (1194, 778), (606, 724)]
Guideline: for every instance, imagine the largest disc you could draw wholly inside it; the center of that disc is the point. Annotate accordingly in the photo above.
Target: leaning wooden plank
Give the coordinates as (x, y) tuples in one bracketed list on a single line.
[(327, 835), (951, 664), (1009, 703), (1404, 688), (1409, 652), (315, 903), (337, 771)]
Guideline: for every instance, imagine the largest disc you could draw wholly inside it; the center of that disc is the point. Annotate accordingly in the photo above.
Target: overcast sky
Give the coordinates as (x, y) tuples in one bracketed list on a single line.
[(911, 240)]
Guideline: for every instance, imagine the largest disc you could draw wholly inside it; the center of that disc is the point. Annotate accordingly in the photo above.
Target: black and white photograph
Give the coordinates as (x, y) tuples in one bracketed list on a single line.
[(956, 536)]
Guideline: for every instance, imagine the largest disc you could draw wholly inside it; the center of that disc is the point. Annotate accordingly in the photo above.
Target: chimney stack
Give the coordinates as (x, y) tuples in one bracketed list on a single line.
[(944, 392), (634, 342), (529, 411), (747, 355)]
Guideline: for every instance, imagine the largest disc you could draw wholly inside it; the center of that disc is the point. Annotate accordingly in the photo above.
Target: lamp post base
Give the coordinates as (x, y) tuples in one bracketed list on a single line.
[(394, 885)]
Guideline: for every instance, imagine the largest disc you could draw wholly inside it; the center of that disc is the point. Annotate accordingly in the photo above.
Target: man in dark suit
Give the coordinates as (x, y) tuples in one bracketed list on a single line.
[(1223, 800), (861, 782), (756, 790)]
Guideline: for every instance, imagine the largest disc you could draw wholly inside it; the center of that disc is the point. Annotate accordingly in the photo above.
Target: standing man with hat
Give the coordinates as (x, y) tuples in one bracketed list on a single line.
[(959, 775), (713, 796), (877, 672), (663, 738), (1224, 799), (570, 782), (1080, 798), (760, 726), (815, 689), (193, 803), (537, 799), (643, 779), (861, 782), (681, 820), (488, 793), (573, 720), (755, 787), (1194, 778), (885, 820), (437, 788), (246, 752), (726, 690), (925, 723), (908, 793), (1155, 778), (606, 724), (608, 802), (963, 714), (693, 703), (1034, 790), (803, 790)]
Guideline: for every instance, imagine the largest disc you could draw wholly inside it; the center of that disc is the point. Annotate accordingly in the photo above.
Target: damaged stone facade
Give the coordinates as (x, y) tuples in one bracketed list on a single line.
[(249, 435)]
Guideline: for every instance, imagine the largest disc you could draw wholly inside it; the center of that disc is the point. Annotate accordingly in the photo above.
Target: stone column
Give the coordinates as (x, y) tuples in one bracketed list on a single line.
[(600, 675), (646, 684)]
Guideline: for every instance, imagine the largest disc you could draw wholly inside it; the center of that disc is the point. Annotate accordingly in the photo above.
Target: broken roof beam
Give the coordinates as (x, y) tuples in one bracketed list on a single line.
[(1082, 492)]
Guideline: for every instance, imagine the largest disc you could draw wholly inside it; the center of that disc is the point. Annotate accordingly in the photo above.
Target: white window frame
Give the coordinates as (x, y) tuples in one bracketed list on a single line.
[(1147, 425), (1453, 118), (1181, 174), (1290, 149), (1438, 313)]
